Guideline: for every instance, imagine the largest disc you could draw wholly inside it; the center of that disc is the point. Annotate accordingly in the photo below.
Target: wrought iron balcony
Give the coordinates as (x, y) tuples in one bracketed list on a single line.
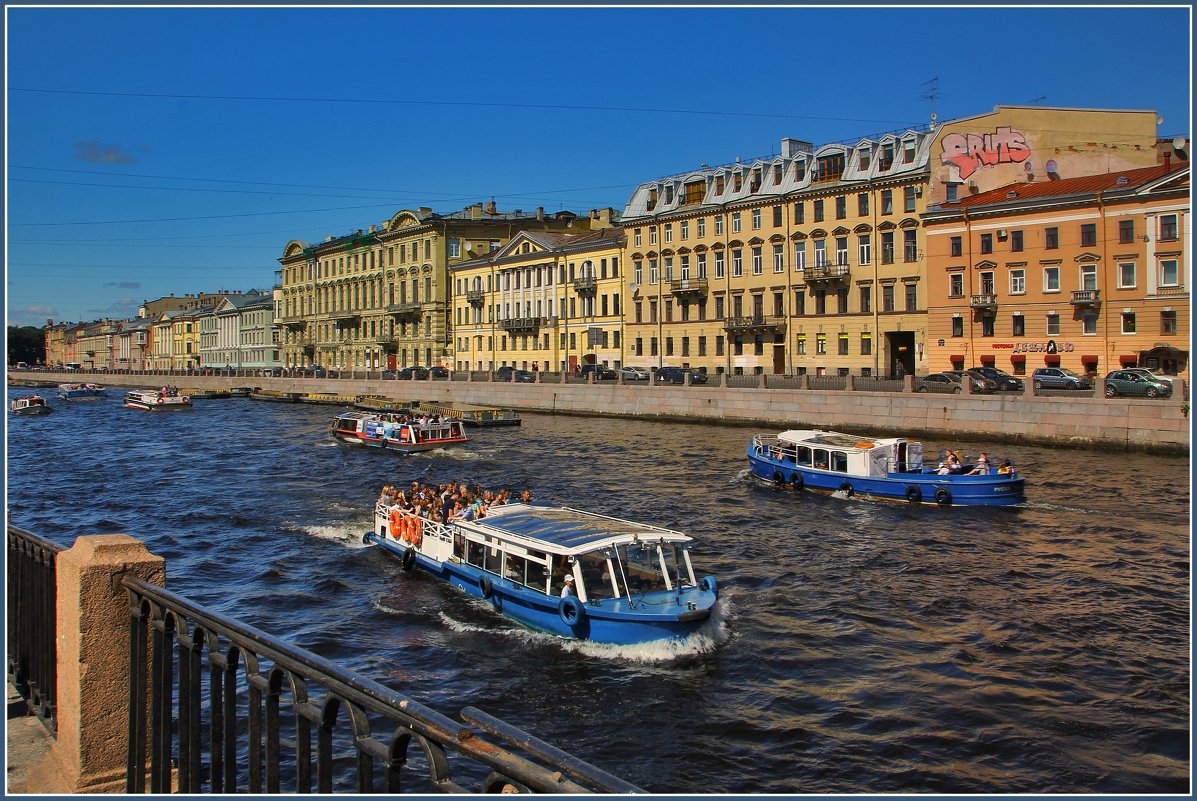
[(1086, 297), (757, 322), (986, 300), (404, 309), (688, 286), (521, 323), (475, 297), (826, 272), (586, 285)]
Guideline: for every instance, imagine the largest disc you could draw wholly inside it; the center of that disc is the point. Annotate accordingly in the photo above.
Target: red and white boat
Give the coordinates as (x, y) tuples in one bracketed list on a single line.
[(398, 433), (29, 404), (151, 400)]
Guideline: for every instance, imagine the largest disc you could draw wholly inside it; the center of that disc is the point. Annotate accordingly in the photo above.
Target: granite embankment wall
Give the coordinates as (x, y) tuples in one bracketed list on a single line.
[(1097, 422)]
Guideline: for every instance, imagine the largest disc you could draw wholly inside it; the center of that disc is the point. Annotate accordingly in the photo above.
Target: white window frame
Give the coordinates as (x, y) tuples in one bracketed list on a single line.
[(779, 257), (1134, 271), (758, 260), (956, 285), (1175, 270), (865, 246), (737, 263), (1051, 325), (1088, 277), (1048, 273), (800, 256), (1018, 282), (1123, 319), (720, 263)]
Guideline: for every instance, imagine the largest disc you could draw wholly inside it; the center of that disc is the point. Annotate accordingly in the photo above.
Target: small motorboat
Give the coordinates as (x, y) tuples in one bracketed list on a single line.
[(29, 405), (152, 400), (400, 433), (879, 468), (74, 392), (628, 582)]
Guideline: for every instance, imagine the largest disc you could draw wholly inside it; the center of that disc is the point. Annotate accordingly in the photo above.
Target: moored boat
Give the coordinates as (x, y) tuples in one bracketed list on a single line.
[(29, 405), (471, 415), (76, 392), (153, 400), (397, 432), (630, 582), (879, 468)]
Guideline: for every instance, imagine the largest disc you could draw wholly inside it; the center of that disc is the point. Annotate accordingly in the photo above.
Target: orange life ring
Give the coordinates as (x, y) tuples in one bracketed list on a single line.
[(417, 534), (160, 399), (396, 523), (404, 434), (864, 444)]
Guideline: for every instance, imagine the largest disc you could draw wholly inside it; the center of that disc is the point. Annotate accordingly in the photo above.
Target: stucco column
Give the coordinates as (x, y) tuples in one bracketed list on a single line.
[(91, 749)]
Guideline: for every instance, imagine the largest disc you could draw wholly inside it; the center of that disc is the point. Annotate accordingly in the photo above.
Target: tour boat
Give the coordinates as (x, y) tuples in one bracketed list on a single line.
[(876, 468), (81, 392), (153, 400), (393, 432), (485, 416), (631, 582), (29, 404)]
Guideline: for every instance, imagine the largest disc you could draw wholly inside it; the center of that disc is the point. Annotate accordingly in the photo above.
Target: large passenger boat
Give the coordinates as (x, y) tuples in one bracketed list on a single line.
[(74, 392), (397, 432), (152, 400), (481, 416), (29, 405), (629, 582), (880, 468)]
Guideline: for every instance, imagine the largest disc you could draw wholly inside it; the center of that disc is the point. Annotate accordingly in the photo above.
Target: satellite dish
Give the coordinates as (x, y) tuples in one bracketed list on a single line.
[(1159, 119), (634, 288), (1179, 143)]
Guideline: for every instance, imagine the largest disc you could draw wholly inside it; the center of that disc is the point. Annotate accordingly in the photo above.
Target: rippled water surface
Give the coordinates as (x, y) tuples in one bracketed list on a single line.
[(859, 647)]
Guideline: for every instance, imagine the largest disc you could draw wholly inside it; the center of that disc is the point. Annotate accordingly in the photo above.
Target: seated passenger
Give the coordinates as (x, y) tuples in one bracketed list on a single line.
[(1006, 469)]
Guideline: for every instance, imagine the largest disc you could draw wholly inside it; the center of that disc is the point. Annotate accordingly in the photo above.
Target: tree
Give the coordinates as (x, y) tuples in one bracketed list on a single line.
[(26, 344)]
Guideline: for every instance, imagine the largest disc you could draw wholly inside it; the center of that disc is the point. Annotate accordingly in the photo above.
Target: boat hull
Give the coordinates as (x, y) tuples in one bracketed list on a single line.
[(394, 444), (661, 617), (83, 395), (31, 411), (909, 487)]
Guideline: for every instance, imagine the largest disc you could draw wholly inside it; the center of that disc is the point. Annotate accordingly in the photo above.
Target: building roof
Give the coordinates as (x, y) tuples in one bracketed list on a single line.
[(1065, 187)]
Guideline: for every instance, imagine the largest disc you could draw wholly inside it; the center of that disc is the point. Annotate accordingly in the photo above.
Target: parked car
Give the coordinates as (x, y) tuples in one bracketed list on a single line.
[(414, 373), (939, 382), (390, 375), (1059, 378), (1005, 381), (438, 372), (507, 373), (601, 373), (677, 375), (634, 373), (980, 383), (1124, 382), (1150, 375)]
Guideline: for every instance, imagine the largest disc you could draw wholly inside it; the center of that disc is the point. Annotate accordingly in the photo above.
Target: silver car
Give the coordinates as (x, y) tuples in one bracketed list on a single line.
[(634, 373)]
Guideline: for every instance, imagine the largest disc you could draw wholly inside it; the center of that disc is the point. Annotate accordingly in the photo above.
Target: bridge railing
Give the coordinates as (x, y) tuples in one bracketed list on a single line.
[(32, 622)]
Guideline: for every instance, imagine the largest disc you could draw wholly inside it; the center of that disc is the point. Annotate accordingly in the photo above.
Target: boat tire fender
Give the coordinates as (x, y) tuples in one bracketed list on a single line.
[(846, 488), (409, 559), (486, 587), (797, 482), (914, 495), (779, 479), (571, 611), (708, 584), (366, 538), (943, 497)]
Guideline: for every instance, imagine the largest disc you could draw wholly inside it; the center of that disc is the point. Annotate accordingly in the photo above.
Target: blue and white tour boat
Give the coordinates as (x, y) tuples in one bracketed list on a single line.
[(29, 405), (399, 433), (630, 582), (75, 392), (880, 468), (156, 400)]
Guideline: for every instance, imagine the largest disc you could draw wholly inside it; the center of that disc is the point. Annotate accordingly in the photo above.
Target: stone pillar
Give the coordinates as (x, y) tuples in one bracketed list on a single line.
[(90, 753), (908, 383), (850, 384)]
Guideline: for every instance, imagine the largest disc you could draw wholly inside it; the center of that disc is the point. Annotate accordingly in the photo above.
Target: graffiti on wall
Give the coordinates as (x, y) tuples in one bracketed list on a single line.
[(971, 151)]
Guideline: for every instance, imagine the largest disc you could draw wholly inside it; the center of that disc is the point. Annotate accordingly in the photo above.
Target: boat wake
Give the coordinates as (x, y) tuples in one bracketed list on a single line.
[(348, 535)]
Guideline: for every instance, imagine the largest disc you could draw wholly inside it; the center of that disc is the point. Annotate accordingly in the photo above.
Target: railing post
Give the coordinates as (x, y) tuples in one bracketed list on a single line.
[(90, 752)]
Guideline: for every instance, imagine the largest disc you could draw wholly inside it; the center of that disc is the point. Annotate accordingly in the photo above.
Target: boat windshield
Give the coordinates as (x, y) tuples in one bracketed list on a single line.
[(634, 569)]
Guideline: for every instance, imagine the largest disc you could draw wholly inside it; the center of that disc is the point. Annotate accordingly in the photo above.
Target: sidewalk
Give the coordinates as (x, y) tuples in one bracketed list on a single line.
[(28, 744)]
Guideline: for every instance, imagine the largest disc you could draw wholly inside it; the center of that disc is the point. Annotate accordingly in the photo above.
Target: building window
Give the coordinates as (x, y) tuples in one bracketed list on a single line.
[(799, 213), (718, 263), (1168, 323), (737, 263), (842, 345), (956, 246), (702, 227), (799, 256), (1051, 238), (1051, 279), (719, 346), (910, 245), (862, 204), (1052, 325), (820, 252), (912, 296), (887, 247), (668, 346), (777, 217), (701, 262), (1018, 325), (866, 249), (735, 222), (820, 344), (957, 326), (841, 207), (1126, 232), (818, 215), (668, 232), (841, 300), (887, 298), (866, 344), (756, 219), (454, 248), (1169, 272), (987, 243), (684, 230), (951, 193), (779, 258), (638, 271), (1018, 282), (1016, 241), (652, 271), (1126, 275), (719, 308), (908, 196), (887, 201), (1128, 322), (1088, 276), (668, 269), (841, 250), (987, 326), (800, 345), (1088, 235), (1089, 323), (758, 262), (718, 225), (799, 302), (866, 299), (1168, 228)]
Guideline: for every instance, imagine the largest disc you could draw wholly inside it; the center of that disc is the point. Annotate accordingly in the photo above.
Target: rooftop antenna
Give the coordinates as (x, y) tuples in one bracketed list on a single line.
[(1038, 100), (931, 94)]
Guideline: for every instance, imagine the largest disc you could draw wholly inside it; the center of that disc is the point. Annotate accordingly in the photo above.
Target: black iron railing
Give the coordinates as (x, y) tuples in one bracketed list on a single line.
[(231, 737), (32, 621)]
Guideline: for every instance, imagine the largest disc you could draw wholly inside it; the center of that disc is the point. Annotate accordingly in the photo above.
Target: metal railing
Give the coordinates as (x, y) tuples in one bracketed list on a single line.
[(231, 738), (32, 621)]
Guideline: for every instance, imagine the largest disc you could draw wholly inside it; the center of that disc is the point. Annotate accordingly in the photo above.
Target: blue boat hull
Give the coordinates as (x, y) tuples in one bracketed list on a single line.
[(659, 616), (920, 487)]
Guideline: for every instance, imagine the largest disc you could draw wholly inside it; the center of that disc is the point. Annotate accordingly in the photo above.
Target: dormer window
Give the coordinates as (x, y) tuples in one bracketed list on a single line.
[(720, 184), (866, 156), (756, 180), (777, 175), (668, 194), (737, 181), (652, 199), (800, 170), (829, 168), (887, 156), (908, 156)]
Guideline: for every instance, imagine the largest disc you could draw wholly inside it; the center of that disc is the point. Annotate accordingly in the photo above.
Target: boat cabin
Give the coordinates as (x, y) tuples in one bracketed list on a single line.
[(849, 454)]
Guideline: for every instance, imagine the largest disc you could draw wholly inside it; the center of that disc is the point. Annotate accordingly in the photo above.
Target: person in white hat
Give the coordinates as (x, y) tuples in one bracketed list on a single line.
[(568, 587)]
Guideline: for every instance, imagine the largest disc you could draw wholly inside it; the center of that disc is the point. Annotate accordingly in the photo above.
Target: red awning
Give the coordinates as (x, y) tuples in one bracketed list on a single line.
[(1051, 361), (956, 358), (989, 360), (1127, 360), (1018, 357), (1089, 359)]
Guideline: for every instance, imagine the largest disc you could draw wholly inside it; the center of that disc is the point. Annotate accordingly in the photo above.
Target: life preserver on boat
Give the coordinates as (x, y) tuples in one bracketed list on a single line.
[(408, 528), (409, 559), (846, 488), (185, 400), (943, 497), (797, 482), (404, 434), (160, 399), (708, 584), (864, 444), (417, 532), (396, 523), (914, 494), (571, 611), (486, 587)]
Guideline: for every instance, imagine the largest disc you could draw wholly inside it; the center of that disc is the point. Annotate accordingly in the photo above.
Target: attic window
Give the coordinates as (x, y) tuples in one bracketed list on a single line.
[(865, 155), (737, 181), (800, 170), (1011, 195), (1121, 180), (719, 184), (887, 155), (652, 199), (777, 175)]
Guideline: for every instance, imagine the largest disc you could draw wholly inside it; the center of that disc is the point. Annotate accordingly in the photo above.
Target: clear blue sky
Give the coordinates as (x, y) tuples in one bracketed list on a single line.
[(153, 151)]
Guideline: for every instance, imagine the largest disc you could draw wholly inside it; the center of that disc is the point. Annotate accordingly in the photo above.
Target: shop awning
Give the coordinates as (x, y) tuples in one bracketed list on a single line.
[(956, 357), (1051, 361), (1089, 359), (989, 360), (1018, 357), (1127, 359)]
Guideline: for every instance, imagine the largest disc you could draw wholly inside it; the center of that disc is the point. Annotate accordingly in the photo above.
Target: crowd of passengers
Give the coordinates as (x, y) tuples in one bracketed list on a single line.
[(444, 503)]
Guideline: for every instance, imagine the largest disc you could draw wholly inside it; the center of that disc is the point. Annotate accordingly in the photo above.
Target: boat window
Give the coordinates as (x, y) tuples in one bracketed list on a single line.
[(820, 459), (561, 568), (492, 560), (641, 570), (839, 461), (803, 455), (475, 553), (596, 576)]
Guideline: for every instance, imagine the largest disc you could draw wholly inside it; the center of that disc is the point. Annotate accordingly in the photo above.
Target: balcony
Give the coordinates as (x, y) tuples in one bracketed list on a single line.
[(1168, 291), (986, 300), (585, 285), (293, 322), (758, 323), (1086, 297), (521, 323), (342, 316), (404, 309), (475, 297), (826, 272), (688, 286)]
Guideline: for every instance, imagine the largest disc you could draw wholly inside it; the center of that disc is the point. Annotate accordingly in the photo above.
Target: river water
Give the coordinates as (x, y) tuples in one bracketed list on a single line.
[(858, 647)]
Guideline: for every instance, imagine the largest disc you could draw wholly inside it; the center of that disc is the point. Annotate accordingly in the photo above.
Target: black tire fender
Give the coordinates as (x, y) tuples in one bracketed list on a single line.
[(486, 587), (571, 611), (797, 482), (846, 488), (409, 559), (914, 494), (943, 497)]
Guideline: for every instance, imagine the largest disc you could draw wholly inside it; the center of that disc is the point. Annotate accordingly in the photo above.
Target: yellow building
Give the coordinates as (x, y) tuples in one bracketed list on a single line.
[(55, 336), (185, 338), (547, 300), (1089, 273), (380, 298)]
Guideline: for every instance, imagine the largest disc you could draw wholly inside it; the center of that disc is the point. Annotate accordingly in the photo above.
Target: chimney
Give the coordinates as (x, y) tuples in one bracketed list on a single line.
[(540, 212), (476, 211), (491, 208), (1167, 160)]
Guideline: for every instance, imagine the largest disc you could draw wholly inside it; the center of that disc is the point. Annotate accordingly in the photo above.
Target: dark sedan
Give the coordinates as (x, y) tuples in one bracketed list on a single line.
[(1005, 382)]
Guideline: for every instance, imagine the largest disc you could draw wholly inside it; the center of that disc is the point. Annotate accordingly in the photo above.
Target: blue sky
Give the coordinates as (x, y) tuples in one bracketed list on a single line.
[(153, 151)]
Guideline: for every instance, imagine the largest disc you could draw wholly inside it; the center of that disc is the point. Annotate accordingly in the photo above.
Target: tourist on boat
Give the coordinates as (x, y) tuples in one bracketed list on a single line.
[(982, 468), (943, 469), (1006, 469), (526, 496), (567, 588)]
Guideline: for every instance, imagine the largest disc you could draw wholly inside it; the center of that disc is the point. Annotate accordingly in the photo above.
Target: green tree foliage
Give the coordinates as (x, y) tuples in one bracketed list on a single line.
[(26, 344)]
